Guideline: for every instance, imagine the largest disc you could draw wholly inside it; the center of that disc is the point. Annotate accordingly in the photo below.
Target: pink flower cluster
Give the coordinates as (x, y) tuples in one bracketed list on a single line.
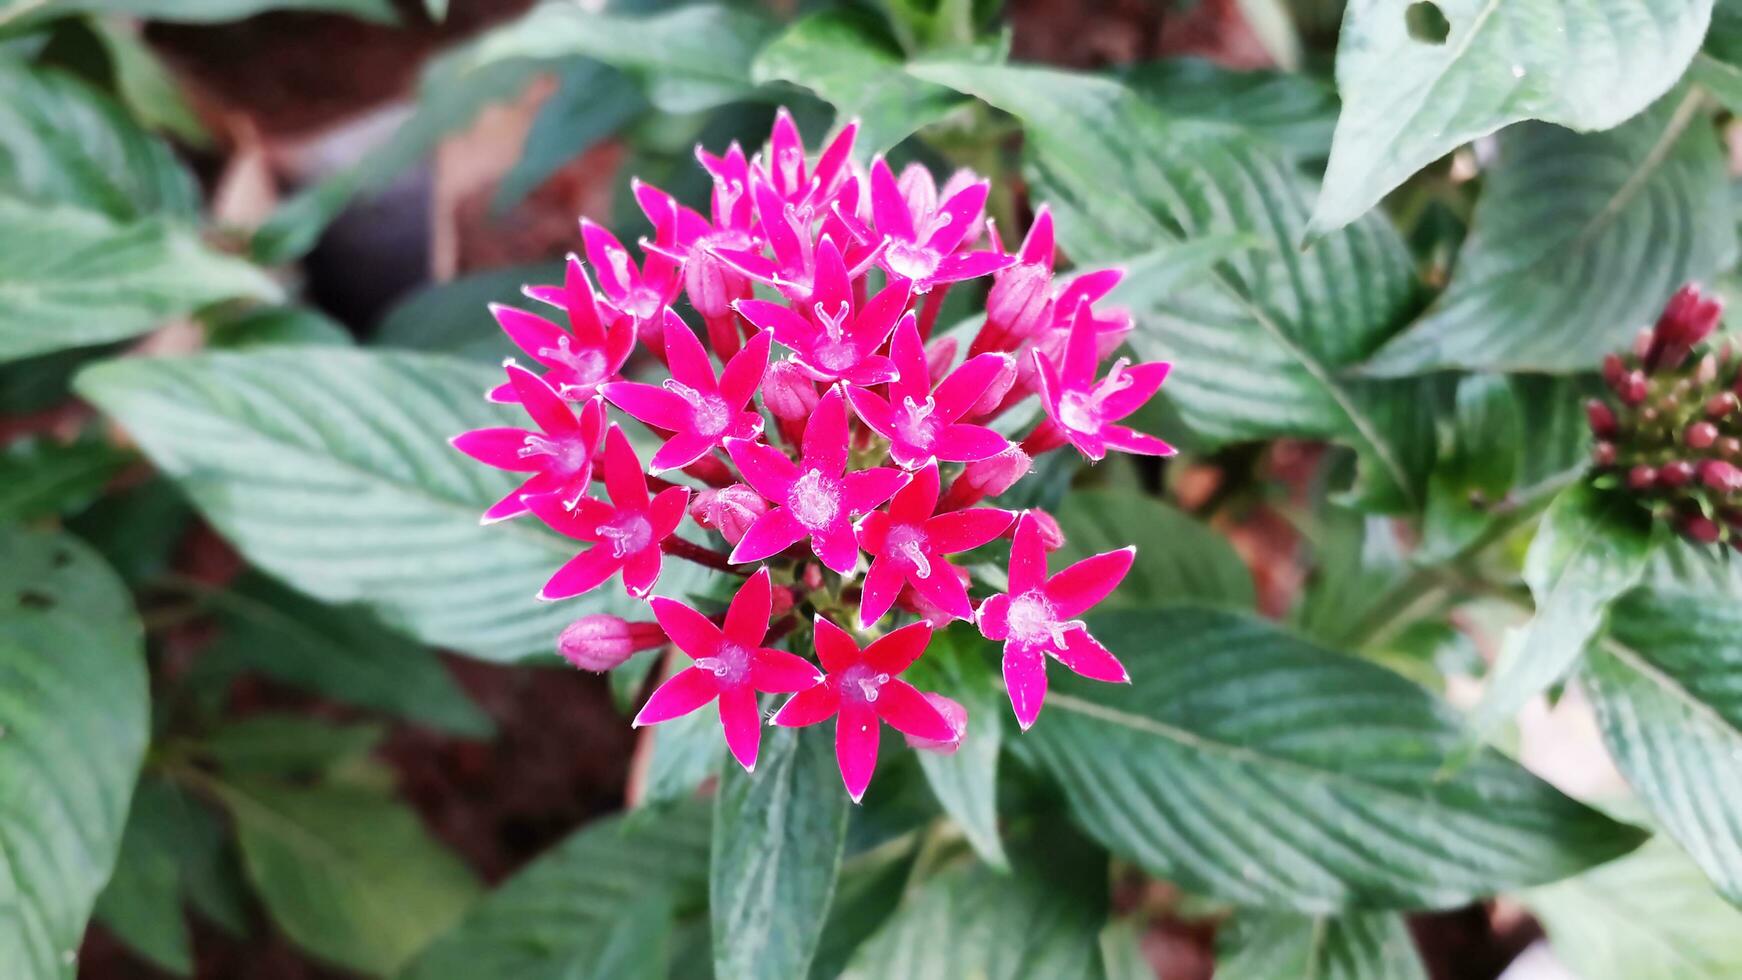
[(868, 439)]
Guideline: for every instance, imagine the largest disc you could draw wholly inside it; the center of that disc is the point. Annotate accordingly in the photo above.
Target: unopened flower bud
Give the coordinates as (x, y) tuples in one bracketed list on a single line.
[(1632, 390), (940, 354), (955, 714), (1603, 454), (1699, 528), (1602, 418), (787, 392), (781, 603), (1614, 369), (1019, 303), (995, 393), (1641, 478), (1642, 343), (1707, 372), (601, 642), (1730, 447), (1721, 476), (1051, 535), (1720, 405), (999, 473), (728, 510), (1700, 435), (712, 286), (1688, 318), (1676, 474)]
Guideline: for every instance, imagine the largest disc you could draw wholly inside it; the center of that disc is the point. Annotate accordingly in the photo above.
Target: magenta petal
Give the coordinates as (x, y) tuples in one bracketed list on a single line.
[(687, 690), (768, 470), (743, 374), (772, 533), (888, 207), (787, 326), (961, 443), (499, 447), (1092, 286), (657, 407), (682, 449), (778, 672), (809, 707), (742, 722), (916, 501), (963, 208), (693, 633), (747, 616), (993, 617), (509, 506), (1037, 246), (610, 260), (686, 358), (1085, 655), (530, 332), (964, 386), (873, 411), (582, 573), (856, 731), (666, 511), (963, 266), (1025, 679), (580, 522), (908, 712), (835, 648), (1130, 441), (1078, 369), (864, 490), (624, 481), (1027, 556), (896, 651), (882, 585), (908, 353), (641, 572), (944, 589), (1143, 381), (874, 369), (965, 530), (541, 401), (1075, 589), (836, 547), (825, 435)]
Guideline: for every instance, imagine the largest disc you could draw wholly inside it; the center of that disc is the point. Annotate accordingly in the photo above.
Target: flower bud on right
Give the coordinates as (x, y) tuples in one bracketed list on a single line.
[(601, 642)]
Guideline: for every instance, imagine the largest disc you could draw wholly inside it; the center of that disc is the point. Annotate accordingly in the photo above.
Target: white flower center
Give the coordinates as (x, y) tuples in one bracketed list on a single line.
[(642, 304), (862, 683), (730, 664), (627, 533), (815, 500), (1081, 411), (908, 543), (910, 260), (916, 423), (568, 456), (708, 413), (588, 366), (1033, 620)]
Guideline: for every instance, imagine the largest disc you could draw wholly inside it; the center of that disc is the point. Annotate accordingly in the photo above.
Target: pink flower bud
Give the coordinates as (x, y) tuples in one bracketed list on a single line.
[(999, 473), (1720, 405), (712, 286), (1642, 343), (729, 510), (955, 714), (1632, 390), (1721, 476), (787, 392), (1602, 419), (1675, 475), (1730, 447), (996, 392), (1614, 369), (1689, 317), (940, 355), (1603, 454), (601, 642), (1699, 529), (1019, 304), (1701, 435), (1707, 372), (1641, 478), (1051, 535)]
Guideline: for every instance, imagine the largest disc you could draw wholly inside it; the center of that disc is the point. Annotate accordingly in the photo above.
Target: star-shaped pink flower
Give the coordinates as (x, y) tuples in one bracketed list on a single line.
[(559, 455), (686, 237), (785, 169), (1085, 409), (908, 544), (700, 411), (860, 692), (626, 533), (641, 293), (731, 666), (578, 359), (1037, 618), (921, 424), (816, 497), (920, 245), (838, 342)]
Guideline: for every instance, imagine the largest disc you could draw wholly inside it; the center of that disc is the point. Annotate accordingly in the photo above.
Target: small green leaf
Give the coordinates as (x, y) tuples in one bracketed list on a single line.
[(866, 896), (454, 318), (1553, 273), (217, 11), (350, 875), (40, 477), (1295, 111), (686, 753), (1179, 559), (1592, 546), (145, 84), (1249, 766), (286, 745), (778, 837), (266, 326), (966, 781), (1356, 946), (557, 917), (72, 278), (1409, 100)]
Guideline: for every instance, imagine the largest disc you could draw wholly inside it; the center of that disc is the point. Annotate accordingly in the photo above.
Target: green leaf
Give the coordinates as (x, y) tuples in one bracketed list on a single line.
[(40, 477), (552, 920), (990, 925), (1356, 561), (1179, 559), (218, 11), (1295, 111), (1356, 946), (1259, 343), (1591, 547), (849, 59), (454, 318), (1409, 101), (591, 102), (265, 326), (1477, 466), (689, 58), (778, 836), (966, 781), (71, 278), (686, 753), (330, 469), (1122, 951), (64, 142), (348, 874), (1253, 767), (1648, 916), (289, 745), (867, 894), (1575, 242), (145, 84), (341, 653), (74, 712), (1667, 689)]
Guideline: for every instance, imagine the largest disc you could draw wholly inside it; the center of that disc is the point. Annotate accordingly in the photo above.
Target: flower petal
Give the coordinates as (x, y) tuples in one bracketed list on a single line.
[(741, 719), (896, 650), (777, 672), (863, 490), (809, 707), (641, 571), (873, 369), (747, 616), (682, 449), (743, 374), (1027, 556), (499, 447), (963, 210), (888, 206), (881, 587), (666, 511), (542, 402), (772, 533), (943, 588), (993, 617), (825, 435), (916, 501), (1037, 245), (856, 731), (624, 480), (834, 646), (788, 327), (1085, 655), (687, 690), (965, 530), (686, 358), (651, 404), (610, 260), (908, 353), (1131, 441), (1078, 368), (831, 289), (836, 547), (580, 522), (1144, 381), (529, 331), (961, 443), (768, 470), (1075, 589), (962, 266), (692, 632), (964, 386), (872, 410), (582, 573), (1025, 679), (907, 711)]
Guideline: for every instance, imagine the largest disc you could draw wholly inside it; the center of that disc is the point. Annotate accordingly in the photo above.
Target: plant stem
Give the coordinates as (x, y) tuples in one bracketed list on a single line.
[(690, 551)]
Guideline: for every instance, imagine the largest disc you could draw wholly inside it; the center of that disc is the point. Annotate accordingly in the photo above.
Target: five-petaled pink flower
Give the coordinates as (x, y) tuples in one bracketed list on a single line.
[(641, 293), (731, 666), (578, 360), (838, 342), (626, 533), (785, 170), (908, 545), (1085, 409), (1037, 618), (922, 424), (559, 455), (700, 411), (920, 237), (816, 497), (862, 690)]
